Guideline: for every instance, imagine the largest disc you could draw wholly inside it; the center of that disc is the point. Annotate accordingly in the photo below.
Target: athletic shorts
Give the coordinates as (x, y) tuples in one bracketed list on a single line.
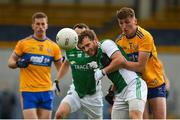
[(136, 90), (37, 100), (91, 105), (159, 91)]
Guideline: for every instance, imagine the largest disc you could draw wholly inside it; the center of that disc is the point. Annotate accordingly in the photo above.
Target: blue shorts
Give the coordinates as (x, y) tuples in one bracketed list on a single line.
[(37, 100), (159, 91)]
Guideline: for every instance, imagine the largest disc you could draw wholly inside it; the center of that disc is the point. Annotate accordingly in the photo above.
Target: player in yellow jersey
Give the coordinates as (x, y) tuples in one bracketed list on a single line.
[(34, 56), (139, 45)]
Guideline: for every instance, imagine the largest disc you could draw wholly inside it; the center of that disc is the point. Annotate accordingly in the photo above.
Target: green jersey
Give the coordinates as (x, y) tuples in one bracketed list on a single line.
[(82, 74), (121, 77)]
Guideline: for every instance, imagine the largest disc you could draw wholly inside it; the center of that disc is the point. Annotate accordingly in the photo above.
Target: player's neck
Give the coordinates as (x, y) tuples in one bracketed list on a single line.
[(133, 34), (39, 37)]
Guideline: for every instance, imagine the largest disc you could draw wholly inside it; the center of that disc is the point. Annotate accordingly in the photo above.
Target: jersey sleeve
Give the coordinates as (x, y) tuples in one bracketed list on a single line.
[(146, 44), (19, 48), (109, 47), (57, 53)]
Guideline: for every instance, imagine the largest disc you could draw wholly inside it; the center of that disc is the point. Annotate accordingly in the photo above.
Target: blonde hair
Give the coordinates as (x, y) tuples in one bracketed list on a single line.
[(125, 12)]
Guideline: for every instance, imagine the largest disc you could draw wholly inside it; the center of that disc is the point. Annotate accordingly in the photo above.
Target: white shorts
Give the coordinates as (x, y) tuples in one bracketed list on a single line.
[(91, 105), (133, 97)]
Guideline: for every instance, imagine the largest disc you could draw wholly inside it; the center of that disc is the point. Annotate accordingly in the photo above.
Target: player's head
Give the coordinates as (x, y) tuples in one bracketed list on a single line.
[(127, 21), (39, 24), (80, 27), (87, 42)]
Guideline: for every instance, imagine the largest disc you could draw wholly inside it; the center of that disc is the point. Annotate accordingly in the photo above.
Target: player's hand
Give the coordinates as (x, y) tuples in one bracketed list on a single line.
[(93, 65), (22, 63), (110, 96), (99, 74), (56, 87)]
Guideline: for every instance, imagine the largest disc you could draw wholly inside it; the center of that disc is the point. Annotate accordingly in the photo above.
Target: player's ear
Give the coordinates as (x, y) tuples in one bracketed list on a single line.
[(96, 39), (135, 21), (79, 46), (47, 26), (32, 25)]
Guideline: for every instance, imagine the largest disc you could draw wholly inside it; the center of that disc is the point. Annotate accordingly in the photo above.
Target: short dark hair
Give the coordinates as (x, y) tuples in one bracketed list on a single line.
[(39, 15), (125, 12), (80, 25), (87, 33)]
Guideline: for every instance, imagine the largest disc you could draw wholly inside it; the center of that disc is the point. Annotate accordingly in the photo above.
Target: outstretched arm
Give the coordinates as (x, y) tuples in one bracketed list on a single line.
[(62, 70)]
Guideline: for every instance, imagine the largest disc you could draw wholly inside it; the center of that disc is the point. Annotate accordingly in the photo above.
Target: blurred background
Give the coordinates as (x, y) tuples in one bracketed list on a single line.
[(160, 17)]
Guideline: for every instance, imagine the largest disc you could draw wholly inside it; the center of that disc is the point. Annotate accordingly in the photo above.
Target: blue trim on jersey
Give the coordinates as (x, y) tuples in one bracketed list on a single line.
[(133, 57), (40, 60), (38, 100), (159, 91)]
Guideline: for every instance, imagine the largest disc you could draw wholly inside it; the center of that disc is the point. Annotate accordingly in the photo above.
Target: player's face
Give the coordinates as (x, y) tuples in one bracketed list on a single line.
[(88, 46), (128, 26), (40, 26)]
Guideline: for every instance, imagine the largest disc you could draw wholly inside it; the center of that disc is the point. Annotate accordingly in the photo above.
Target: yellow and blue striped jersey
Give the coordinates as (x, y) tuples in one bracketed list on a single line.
[(143, 41), (41, 53)]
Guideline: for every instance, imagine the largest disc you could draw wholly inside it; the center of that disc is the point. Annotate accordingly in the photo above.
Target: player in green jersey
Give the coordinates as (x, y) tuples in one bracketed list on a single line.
[(84, 93), (131, 90)]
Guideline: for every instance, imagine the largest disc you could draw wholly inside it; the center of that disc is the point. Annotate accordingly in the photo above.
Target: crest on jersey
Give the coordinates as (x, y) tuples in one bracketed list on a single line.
[(49, 50), (136, 47), (41, 47)]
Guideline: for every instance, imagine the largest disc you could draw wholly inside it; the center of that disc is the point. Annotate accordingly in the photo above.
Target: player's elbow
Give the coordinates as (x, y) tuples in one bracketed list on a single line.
[(11, 65), (121, 63), (135, 66), (140, 67)]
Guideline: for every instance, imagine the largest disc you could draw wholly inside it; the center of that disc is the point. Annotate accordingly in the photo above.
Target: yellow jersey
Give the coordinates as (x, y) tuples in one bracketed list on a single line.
[(143, 41), (37, 76)]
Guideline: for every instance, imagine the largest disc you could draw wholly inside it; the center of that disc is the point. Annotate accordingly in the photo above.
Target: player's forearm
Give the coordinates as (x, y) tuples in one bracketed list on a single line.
[(113, 88), (140, 65), (63, 70), (12, 61), (134, 66), (115, 65), (12, 64)]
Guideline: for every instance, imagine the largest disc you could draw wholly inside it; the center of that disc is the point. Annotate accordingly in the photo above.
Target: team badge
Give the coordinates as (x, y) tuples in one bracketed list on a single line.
[(49, 50), (136, 47), (40, 47)]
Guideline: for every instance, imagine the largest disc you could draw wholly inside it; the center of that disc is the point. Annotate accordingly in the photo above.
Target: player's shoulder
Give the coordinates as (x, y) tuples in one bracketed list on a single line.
[(24, 40), (142, 33), (118, 38), (51, 42), (107, 43)]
